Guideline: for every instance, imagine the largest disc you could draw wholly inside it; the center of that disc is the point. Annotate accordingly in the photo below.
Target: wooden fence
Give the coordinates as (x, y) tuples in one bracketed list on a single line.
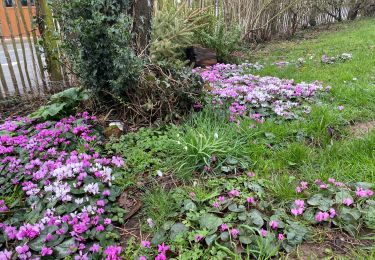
[(23, 64)]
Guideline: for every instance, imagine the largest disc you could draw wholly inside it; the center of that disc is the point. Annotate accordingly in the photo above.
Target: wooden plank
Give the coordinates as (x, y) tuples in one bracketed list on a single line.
[(9, 61), (10, 26), (35, 41), (22, 48)]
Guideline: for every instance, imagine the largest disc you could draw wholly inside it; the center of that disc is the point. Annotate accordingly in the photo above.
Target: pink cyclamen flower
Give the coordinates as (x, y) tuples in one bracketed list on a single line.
[(107, 221), (250, 200), (221, 199), (162, 248), (60, 231), (251, 174), (332, 212), (274, 224), (298, 189), (347, 202), (142, 258), (234, 193), (46, 251), (370, 193), (304, 185), (5, 255), (321, 216), (95, 248), (224, 227), (332, 180), (161, 256), (234, 232), (299, 203), (263, 232), (112, 252), (361, 192), (216, 204), (100, 228), (48, 238), (198, 238), (146, 244), (280, 237)]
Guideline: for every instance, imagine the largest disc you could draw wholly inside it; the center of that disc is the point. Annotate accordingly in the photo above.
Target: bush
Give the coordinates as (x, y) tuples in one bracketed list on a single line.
[(224, 41), (174, 29), (97, 39), (164, 94)]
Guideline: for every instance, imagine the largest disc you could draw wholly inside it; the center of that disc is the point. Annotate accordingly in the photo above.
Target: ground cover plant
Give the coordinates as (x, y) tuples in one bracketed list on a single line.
[(56, 190)]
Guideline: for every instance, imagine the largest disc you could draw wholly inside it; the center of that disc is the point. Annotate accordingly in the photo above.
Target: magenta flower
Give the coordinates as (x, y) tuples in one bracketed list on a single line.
[(224, 227), (142, 258), (280, 237), (221, 199), (234, 232), (5, 255), (274, 224), (49, 237), (250, 200), (162, 248), (263, 232), (146, 244), (370, 193), (234, 193), (347, 202), (322, 216), (95, 248), (161, 256), (361, 192), (216, 204), (299, 203), (251, 174), (107, 221), (332, 212), (198, 238), (46, 251), (112, 253), (100, 228)]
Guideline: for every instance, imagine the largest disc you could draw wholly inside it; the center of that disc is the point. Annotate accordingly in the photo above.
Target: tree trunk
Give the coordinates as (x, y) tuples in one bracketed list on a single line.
[(50, 46), (142, 22)]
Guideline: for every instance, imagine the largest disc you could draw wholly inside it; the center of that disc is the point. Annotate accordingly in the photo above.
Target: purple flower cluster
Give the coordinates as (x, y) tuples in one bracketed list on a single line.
[(56, 165), (255, 96)]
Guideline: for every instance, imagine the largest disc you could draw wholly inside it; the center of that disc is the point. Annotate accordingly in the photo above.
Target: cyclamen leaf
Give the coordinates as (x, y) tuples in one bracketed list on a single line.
[(62, 250), (177, 229), (256, 218), (210, 221)]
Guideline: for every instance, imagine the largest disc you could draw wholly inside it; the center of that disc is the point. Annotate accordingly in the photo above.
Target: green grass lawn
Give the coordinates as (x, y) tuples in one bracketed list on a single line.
[(320, 145)]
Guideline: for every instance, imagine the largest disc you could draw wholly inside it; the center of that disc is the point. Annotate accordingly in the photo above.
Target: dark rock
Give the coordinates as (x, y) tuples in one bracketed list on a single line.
[(201, 57)]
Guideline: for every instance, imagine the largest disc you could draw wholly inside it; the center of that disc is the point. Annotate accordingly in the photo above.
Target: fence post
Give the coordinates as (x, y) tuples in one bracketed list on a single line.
[(50, 43)]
